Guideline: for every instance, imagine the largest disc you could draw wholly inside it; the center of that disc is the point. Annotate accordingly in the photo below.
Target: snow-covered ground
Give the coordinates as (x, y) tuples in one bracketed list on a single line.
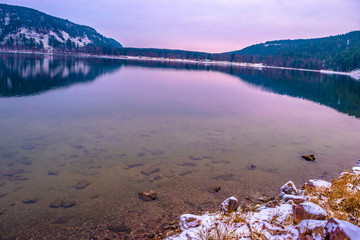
[(318, 211)]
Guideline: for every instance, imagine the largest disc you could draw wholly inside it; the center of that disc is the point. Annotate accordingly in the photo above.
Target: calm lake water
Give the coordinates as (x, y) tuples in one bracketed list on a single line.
[(120, 127)]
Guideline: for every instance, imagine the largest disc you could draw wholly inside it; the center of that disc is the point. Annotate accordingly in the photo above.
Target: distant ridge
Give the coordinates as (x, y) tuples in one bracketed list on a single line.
[(23, 28), (26, 28), (340, 52)]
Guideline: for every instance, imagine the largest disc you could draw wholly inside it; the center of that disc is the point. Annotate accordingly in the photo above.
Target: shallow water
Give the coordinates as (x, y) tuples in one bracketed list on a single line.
[(192, 127)]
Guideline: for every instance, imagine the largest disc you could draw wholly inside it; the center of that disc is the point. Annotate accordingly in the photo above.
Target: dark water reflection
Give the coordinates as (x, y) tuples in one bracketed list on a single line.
[(23, 75), (181, 129)]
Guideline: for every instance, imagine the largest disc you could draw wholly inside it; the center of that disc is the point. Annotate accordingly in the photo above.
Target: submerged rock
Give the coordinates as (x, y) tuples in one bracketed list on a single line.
[(310, 157), (14, 172), (53, 172), (119, 228), (229, 205), (189, 221), (214, 189), (225, 177), (147, 195), (30, 200), (149, 171), (195, 158), (82, 184), (56, 203), (67, 203)]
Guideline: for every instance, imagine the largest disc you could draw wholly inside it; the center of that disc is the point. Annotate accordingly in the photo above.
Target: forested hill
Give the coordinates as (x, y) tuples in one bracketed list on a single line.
[(341, 52), (26, 28)]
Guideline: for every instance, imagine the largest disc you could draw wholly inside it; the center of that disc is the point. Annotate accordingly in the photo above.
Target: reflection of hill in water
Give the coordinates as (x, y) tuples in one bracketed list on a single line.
[(24, 75)]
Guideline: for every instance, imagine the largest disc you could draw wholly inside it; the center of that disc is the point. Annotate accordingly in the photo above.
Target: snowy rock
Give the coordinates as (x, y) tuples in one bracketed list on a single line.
[(313, 228), (317, 183), (338, 229), (288, 188), (308, 210), (295, 199), (229, 205), (189, 221), (356, 168)]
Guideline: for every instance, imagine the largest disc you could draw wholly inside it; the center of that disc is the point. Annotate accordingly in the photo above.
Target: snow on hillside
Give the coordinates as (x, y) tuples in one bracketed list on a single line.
[(80, 41)]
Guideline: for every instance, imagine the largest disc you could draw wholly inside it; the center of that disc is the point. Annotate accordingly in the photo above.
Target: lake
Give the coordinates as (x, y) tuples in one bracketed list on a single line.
[(81, 137)]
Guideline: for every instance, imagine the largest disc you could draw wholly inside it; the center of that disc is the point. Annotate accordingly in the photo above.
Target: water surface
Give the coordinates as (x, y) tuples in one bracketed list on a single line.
[(112, 122)]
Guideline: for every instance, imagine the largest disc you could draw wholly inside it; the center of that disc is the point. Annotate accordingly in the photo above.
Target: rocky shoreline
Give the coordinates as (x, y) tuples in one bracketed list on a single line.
[(319, 210)]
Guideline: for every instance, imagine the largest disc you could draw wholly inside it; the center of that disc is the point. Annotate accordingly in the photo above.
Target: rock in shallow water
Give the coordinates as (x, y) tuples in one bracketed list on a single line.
[(53, 172), (149, 171), (30, 200), (309, 157), (119, 228), (67, 203), (82, 184), (56, 203), (147, 195)]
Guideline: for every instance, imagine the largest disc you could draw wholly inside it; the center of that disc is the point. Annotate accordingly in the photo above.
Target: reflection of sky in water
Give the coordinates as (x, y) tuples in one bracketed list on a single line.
[(134, 110)]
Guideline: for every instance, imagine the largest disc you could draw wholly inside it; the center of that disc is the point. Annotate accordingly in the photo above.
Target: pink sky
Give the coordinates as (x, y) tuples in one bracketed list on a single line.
[(205, 25)]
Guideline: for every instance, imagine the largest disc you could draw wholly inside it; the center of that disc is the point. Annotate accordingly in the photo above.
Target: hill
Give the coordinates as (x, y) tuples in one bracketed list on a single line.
[(26, 28), (341, 52)]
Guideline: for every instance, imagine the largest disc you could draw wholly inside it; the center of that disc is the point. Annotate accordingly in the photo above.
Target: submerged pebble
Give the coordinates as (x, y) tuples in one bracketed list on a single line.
[(149, 171), (147, 195), (53, 172), (225, 177), (67, 203), (56, 203), (82, 184), (30, 200), (119, 228)]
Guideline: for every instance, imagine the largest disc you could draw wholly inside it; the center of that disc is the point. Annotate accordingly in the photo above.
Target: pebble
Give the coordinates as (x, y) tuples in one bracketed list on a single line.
[(133, 164), (214, 189), (189, 164), (168, 174), (186, 172), (30, 200), (67, 203), (309, 157), (3, 195), (82, 184), (157, 152), (14, 171), (251, 167), (150, 171), (119, 228), (147, 195), (56, 203), (53, 172), (225, 177), (194, 158)]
